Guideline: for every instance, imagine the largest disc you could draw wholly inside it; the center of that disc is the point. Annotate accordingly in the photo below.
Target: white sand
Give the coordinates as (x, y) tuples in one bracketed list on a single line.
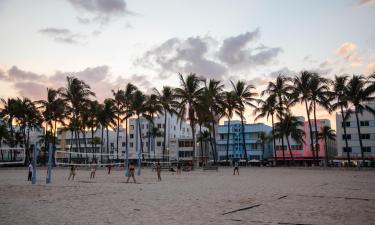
[(284, 196)]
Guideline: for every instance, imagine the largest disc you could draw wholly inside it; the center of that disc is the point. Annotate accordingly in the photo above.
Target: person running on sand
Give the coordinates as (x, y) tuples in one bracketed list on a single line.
[(30, 173), (93, 169), (72, 172), (158, 171), (131, 172), (236, 168)]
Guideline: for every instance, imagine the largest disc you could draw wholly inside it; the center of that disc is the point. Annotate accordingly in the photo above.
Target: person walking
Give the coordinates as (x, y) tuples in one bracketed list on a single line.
[(109, 167), (93, 169), (72, 173), (158, 171), (178, 168), (131, 172), (30, 173), (236, 168)]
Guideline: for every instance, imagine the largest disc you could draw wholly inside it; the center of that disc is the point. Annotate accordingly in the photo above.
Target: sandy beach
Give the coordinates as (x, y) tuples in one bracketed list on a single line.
[(257, 196)]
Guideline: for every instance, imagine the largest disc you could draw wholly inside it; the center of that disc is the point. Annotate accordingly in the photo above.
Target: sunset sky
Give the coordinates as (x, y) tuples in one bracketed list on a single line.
[(109, 43)]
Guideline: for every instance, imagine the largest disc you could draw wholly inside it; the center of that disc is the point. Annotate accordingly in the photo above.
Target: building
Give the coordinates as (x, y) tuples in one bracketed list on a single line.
[(367, 125), (256, 150), (302, 152)]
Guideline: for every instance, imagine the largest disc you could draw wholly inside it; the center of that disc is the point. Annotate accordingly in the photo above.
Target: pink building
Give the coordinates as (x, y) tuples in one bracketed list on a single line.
[(302, 152)]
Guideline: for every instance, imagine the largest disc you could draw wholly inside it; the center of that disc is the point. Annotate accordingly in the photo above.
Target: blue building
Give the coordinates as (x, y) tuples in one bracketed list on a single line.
[(255, 148)]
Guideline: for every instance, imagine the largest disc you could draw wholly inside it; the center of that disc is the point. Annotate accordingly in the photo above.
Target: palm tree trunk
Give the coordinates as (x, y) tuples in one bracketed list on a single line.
[(360, 137), (106, 128), (316, 135), (283, 150), (311, 132), (149, 139), (273, 139), (117, 133), (346, 140), (85, 142), (140, 137), (214, 140), (212, 148), (92, 140), (325, 152), (243, 138), (101, 145), (201, 141), (70, 147), (228, 133), (165, 133), (290, 150), (126, 145)]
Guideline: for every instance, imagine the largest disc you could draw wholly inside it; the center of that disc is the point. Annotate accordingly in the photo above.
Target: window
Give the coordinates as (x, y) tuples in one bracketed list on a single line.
[(174, 127), (366, 149), (346, 124), (112, 145), (365, 136), (158, 143), (131, 136), (348, 136), (131, 144), (347, 150), (131, 127), (159, 125), (253, 146), (123, 144), (222, 136), (365, 123)]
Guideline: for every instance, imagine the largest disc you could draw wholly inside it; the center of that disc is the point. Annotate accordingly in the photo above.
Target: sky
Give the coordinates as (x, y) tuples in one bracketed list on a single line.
[(108, 43)]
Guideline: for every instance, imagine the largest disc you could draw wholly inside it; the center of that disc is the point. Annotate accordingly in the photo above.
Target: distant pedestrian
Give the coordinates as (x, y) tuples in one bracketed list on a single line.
[(109, 167), (236, 168), (131, 172), (72, 172), (92, 169), (30, 172), (158, 171), (178, 168)]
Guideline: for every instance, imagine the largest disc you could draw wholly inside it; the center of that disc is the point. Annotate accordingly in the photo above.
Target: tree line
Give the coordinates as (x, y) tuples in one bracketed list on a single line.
[(203, 102)]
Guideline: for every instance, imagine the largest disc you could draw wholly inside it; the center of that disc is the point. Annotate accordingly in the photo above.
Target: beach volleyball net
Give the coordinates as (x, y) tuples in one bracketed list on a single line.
[(66, 158), (10, 156)]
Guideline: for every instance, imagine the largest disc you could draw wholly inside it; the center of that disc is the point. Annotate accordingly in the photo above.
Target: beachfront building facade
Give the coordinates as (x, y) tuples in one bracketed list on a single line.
[(302, 152), (256, 149), (367, 126)]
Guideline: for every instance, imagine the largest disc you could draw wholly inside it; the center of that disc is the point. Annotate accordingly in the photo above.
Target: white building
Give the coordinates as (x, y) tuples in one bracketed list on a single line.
[(367, 125)]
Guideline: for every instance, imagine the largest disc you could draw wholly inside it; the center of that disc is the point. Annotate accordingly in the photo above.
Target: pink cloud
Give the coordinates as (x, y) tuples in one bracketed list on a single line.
[(347, 52)]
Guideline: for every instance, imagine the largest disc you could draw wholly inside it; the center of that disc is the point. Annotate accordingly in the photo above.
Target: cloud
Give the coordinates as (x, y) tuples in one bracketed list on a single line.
[(101, 10), (208, 56), (62, 35), (365, 2), (99, 78), (370, 68), (347, 52)]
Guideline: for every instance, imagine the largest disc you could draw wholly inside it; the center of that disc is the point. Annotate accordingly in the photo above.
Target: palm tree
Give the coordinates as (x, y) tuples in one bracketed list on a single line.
[(4, 135), (127, 103), (203, 119), (327, 134), (302, 94), (119, 111), (244, 97), (358, 94), (9, 111), (155, 132), (320, 95), (138, 106), (93, 122), (167, 101), (280, 90), (229, 107), (76, 94), (339, 94), (188, 95), (109, 112), (213, 92), (263, 138), (267, 108), (204, 137)]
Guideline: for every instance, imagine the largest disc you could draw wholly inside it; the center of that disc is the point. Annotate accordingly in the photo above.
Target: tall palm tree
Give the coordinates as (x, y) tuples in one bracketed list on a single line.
[(152, 106), (76, 94), (213, 92), (127, 103), (139, 100), (4, 135), (320, 95), (188, 94), (327, 134), (109, 112), (119, 110), (358, 93), (339, 95), (93, 122), (263, 138), (267, 108), (244, 97), (9, 111), (168, 103), (280, 90), (229, 107), (204, 137), (302, 94), (203, 120)]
